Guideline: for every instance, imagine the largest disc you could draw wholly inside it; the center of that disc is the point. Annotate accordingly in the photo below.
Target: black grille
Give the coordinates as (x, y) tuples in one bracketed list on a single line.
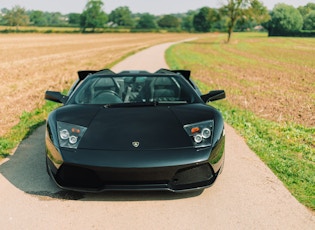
[(176, 177), (196, 176), (72, 176), (77, 176)]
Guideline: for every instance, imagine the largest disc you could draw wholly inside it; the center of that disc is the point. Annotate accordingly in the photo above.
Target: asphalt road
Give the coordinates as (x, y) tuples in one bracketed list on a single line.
[(247, 195)]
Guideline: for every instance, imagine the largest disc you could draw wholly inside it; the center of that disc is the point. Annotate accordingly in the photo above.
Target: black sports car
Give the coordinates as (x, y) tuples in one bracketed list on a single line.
[(134, 130)]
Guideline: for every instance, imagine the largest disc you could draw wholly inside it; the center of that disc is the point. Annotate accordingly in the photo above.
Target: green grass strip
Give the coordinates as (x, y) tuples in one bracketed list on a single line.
[(287, 149), (29, 121)]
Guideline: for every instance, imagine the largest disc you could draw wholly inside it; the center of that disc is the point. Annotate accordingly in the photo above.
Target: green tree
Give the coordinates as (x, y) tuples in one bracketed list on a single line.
[(206, 19), (3, 12), (305, 10), (168, 21), (308, 16), (37, 18), (309, 21), (235, 10), (187, 21), (285, 19), (17, 16), (74, 18), (257, 12), (55, 19), (93, 16), (146, 21), (121, 16)]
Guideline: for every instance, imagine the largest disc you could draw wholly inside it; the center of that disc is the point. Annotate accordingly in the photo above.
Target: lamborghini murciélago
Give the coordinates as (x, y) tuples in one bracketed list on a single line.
[(134, 130)]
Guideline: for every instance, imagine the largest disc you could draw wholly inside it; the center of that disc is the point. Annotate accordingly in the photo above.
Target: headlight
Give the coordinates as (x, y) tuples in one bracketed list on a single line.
[(70, 135), (200, 133)]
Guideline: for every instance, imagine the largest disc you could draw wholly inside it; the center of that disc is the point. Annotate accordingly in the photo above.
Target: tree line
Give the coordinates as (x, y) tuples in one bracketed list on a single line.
[(235, 15)]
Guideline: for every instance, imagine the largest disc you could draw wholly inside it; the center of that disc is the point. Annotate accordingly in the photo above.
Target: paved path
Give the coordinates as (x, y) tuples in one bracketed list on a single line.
[(247, 195)]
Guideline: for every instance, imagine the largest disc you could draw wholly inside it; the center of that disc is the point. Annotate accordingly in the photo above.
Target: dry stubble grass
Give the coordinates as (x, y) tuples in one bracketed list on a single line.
[(272, 77), (33, 63)]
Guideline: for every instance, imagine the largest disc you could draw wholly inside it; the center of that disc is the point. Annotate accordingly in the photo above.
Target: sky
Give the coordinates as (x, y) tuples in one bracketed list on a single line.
[(156, 7)]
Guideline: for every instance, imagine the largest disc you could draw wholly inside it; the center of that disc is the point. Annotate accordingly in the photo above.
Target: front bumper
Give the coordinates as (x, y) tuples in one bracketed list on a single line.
[(172, 170)]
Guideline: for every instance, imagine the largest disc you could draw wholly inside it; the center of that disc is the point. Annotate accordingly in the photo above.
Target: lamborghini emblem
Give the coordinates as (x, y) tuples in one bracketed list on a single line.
[(135, 144)]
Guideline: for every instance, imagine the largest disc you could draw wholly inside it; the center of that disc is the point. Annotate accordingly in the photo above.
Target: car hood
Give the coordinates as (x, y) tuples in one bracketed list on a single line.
[(135, 128)]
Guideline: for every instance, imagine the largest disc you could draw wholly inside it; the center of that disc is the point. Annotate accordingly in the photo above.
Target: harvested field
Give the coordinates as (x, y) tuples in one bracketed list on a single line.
[(272, 77), (32, 63)]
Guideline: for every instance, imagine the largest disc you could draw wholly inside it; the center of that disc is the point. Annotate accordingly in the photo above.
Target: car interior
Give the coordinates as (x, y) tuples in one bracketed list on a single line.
[(113, 90)]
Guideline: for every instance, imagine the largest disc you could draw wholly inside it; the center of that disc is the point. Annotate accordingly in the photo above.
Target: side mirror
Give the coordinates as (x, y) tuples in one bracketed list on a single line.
[(56, 97), (213, 95)]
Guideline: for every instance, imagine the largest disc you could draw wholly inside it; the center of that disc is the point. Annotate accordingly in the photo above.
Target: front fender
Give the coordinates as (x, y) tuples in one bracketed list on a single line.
[(51, 141)]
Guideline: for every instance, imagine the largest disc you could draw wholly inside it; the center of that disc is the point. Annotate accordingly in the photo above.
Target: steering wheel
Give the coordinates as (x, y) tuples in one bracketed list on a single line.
[(107, 97)]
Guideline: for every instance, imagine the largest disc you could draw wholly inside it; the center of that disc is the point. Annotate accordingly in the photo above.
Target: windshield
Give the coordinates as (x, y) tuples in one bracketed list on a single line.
[(109, 90)]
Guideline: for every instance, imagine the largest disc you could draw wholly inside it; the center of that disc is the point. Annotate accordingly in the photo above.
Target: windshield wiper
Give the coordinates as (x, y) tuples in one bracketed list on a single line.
[(144, 104), (132, 104), (172, 102)]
